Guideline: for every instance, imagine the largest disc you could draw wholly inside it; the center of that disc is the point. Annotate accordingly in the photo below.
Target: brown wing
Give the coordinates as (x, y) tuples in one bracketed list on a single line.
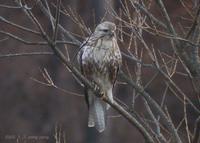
[(86, 68), (113, 71), (115, 63)]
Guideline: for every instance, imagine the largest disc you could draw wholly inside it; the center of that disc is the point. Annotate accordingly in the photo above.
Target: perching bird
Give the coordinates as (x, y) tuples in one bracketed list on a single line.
[(100, 60)]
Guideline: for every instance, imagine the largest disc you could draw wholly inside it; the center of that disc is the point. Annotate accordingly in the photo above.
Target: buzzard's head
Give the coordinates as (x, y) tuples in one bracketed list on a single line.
[(106, 30)]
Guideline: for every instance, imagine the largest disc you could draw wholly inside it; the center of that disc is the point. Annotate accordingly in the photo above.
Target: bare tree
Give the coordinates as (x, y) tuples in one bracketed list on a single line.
[(137, 22)]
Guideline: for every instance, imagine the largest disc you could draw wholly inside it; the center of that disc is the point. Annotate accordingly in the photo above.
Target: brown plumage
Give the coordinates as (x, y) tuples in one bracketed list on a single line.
[(100, 59)]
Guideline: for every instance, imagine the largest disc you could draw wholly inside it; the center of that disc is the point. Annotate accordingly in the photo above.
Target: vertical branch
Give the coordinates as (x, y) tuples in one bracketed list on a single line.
[(138, 70), (190, 59), (57, 20), (196, 133), (147, 13), (61, 28), (156, 122), (155, 107), (168, 21), (50, 15), (186, 120), (130, 118)]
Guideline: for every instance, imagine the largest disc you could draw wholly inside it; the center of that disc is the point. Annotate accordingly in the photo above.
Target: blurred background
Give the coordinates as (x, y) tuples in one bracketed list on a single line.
[(31, 109)]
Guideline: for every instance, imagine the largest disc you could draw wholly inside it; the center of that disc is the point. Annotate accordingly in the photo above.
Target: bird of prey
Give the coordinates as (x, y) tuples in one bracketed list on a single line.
[(100, 60)]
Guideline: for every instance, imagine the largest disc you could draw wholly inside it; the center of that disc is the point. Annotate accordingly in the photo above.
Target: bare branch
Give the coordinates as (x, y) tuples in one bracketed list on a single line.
[(35, 43), (25, 54), (10, 7), (186, 121), (19, 26), (156, 122), (65, 32), (156, 107), (169, 23), (148, 14), (49, 82), (49, 13), (130, 118), (196, 133), (22, 40), (57, 20)]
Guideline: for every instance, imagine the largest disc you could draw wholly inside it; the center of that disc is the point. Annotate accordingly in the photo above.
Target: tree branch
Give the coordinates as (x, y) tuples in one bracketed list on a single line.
[(196, 134), (155, 106), (96, 90), (19, 26), (25, 54)]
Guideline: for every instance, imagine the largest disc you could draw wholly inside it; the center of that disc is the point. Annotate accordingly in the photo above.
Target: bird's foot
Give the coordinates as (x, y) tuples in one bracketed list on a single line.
[(101, 94)]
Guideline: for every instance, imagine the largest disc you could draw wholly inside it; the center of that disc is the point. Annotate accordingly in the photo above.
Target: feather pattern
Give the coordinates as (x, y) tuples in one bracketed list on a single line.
[(100, 59)]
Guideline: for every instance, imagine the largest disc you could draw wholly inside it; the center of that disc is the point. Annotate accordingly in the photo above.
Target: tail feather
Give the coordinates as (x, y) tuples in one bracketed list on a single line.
[(96, 116), (90, 102), (91, 122), (110, 96), (97, 109), (99, 115)]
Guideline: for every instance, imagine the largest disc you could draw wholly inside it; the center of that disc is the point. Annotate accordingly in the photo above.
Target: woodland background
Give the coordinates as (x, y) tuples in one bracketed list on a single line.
[(29, 108)]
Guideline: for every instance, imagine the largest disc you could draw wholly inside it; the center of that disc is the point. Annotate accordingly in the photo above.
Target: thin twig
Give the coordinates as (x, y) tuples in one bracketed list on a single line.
[(35, 43), (156, 107), (156, 122), (22, 40), (50, 15), (168, 21), (65, 32), (55, 32), (186, 121), (196, 133), (148, 14), (19, 26), (10, 7), (25, 54)]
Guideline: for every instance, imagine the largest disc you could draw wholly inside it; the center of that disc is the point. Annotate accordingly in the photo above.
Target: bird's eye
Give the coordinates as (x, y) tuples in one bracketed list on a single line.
[(105, 30)]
